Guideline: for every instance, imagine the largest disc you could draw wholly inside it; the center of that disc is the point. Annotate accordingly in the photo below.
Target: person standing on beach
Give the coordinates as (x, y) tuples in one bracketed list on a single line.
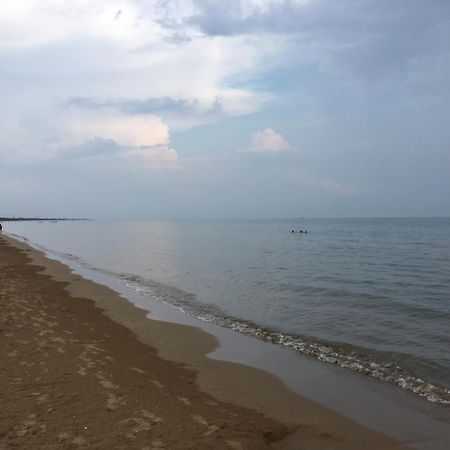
[(1, 228)]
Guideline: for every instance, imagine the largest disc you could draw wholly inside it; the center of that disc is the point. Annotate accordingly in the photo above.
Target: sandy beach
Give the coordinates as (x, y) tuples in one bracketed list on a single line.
[(83, 368)]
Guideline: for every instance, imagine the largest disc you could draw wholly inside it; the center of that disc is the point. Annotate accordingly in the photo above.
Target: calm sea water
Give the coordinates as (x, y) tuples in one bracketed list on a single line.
[(372, 295)]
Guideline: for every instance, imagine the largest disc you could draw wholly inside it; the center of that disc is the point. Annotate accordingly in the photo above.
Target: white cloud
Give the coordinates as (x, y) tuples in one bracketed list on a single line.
[(25, 23), (129, 131), (138, 138), (268, 140), (89, 51), (53, 50)]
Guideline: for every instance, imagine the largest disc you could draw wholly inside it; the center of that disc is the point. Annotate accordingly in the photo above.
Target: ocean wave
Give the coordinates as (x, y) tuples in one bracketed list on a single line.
[(328, 352)]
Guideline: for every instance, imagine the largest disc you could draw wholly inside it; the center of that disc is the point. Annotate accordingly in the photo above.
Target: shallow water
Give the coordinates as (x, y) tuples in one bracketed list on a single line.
[(372, 295)]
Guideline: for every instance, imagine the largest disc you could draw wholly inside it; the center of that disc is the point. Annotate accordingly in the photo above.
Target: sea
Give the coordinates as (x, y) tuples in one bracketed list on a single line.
[(370, 295)]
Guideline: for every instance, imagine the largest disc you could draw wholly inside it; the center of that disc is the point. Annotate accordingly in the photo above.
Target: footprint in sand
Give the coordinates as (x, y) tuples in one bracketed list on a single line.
[(108, 384), (105, 382), (153, 417), (211, 430), (42, 398), (113, 401), (157, 384), (137, 424), (93, 349), (44, 332), (202, 421), (234, 445), (88, 363), (185, 401), (39, 397), (143, 372), (67, 438), (58, 340)]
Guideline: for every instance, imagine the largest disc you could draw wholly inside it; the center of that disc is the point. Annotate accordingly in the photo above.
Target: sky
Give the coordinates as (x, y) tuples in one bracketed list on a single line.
[(117, 109)]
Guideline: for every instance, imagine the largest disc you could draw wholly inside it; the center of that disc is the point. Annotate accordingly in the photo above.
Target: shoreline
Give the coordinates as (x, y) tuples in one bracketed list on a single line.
[(301, 421), (417, 370)]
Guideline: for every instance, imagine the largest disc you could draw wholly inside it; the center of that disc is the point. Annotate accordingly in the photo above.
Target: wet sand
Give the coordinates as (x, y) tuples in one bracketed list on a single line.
[(82, 367)]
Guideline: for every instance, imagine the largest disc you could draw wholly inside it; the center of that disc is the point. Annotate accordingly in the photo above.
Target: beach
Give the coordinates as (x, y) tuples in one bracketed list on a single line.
[(82, 367)]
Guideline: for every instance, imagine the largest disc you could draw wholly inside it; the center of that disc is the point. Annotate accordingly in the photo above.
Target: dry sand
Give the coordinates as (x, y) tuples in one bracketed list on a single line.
[(83, 368)]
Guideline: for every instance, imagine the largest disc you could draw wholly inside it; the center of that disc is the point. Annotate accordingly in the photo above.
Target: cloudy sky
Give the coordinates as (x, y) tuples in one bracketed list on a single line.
[(225, 108)]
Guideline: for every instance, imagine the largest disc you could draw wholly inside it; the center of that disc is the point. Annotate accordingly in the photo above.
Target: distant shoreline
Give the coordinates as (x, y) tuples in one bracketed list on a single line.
[(36, 219)]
